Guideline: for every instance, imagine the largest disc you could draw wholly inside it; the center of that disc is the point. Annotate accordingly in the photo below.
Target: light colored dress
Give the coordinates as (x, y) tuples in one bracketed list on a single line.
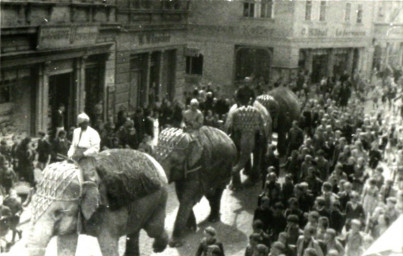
[(370, 199)]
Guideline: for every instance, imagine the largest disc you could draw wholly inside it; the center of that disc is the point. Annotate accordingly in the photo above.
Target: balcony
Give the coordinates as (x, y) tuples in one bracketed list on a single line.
[(153, 12), (18, 13)]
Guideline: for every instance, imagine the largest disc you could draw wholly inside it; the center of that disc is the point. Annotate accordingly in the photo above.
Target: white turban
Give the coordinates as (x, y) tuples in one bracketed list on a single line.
[(82, 118)]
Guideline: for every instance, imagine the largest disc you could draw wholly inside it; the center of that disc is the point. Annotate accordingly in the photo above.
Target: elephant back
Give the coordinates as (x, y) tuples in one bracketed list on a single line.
[(128, 175), (219, 155), (247, 119), (269, 103), (289, 105)]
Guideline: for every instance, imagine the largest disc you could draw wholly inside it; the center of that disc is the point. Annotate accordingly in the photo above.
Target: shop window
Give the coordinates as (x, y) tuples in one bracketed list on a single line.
[(308, 10), (322, 11), (258, 9), (347, 12), (359, 13), (5, 92), (194, 65)]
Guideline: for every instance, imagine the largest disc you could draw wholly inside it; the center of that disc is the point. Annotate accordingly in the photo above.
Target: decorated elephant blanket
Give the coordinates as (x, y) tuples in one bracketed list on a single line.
[(217, 153), (128, 175)]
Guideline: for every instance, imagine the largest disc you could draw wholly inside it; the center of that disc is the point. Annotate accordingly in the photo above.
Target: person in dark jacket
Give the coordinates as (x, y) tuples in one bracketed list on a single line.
[(209, 244), (25, 157), (263, 213), (43, 150), (295, 138), (60, 147)]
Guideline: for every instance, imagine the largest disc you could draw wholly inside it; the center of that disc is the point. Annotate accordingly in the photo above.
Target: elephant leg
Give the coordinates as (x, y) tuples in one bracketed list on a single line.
[(191, 223), (215, 204), (155, 228), (187, 195), (132, 245), (281, 143), (67, 245), (108, 243)]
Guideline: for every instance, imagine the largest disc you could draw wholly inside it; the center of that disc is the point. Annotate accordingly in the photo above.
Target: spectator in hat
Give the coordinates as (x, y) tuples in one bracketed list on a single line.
[(278, 222), (277, 249), (210, 243), (263, 212)]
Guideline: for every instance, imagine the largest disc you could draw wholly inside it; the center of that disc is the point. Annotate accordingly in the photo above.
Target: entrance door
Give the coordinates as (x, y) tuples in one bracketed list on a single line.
[(94, 94), (60, 90), (319, 66)]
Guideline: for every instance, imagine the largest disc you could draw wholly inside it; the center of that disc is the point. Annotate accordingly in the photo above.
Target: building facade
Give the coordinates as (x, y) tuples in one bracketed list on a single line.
[(388, 34), (267, 40), (86, 55)]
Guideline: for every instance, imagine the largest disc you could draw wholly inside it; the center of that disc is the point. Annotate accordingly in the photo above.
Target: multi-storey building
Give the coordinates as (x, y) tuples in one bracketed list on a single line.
[(267, 39), (388, 34), (88, 55)]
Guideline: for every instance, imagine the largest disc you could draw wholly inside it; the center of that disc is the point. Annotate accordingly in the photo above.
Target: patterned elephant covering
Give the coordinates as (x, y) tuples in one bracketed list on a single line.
[(246, 119), (56, 178), (217, 149), (128, 175), (271, 105)]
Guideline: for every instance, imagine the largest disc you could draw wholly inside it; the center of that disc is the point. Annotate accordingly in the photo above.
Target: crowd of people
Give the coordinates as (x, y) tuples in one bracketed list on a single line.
[(333, 198)]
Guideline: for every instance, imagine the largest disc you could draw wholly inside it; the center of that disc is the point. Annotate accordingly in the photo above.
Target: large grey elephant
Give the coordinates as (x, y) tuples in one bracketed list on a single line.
[(250, 128), (200, 164), (116, 193), (284, 108)]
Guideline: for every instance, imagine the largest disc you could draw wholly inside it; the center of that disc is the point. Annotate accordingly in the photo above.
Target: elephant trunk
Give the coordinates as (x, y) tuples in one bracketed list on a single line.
[(247, 144), (38, 238)]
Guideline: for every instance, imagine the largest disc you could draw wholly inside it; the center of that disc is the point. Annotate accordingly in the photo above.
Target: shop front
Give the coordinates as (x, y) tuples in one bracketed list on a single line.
[(66, 69), (253, 62)]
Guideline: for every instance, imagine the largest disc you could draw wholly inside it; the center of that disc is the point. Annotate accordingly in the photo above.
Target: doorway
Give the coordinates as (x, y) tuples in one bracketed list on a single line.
[(319, 67), (60, 90)]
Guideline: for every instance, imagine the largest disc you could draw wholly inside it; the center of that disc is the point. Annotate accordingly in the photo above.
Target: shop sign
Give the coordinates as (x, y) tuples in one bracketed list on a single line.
[(314, 32), (51, 37), (154, 38), (349, 33)]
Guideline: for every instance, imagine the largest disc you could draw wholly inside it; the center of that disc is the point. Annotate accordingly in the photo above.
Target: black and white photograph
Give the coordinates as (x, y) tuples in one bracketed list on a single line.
[(201, 127)]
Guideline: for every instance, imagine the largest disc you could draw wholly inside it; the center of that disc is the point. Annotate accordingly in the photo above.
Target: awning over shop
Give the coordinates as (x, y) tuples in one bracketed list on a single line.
[(389, 243)]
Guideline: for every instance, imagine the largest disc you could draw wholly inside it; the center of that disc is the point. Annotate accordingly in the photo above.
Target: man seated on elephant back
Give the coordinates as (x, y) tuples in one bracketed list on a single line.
[(193, 120), (86, 140)]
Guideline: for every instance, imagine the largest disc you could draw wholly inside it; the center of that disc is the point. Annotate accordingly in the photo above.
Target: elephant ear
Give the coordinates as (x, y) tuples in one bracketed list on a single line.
[(91, 199)]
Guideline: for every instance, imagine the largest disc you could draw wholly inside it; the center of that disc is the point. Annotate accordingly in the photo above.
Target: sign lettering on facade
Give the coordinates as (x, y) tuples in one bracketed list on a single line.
[(59, 37), (349, 33), (154, 38)]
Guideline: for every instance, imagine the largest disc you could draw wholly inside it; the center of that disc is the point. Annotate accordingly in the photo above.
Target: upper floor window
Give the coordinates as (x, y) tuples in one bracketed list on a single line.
[(308, 10), (194, 65), (347, 12), (322, 11), (381, 14), (258, 9), (359, 13)]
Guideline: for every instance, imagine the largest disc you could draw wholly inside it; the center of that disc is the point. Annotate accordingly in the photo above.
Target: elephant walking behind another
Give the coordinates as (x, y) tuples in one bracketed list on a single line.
[(200, 164), (116, 193)]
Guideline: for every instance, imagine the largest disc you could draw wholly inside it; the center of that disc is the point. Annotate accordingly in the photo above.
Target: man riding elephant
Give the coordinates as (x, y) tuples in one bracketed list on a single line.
[(86, 140)]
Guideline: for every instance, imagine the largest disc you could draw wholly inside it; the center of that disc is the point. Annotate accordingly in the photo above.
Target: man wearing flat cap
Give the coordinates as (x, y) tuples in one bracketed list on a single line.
[(86, 140)]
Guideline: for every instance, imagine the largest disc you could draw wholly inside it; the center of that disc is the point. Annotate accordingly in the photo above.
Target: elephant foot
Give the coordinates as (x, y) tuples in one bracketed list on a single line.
[(214, 218), (235, 187), (175, 242), (250, 182), (160, 244)]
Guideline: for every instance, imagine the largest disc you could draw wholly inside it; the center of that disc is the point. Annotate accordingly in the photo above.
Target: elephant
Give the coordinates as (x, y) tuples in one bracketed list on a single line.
[(200, 164), (117, 192), (250, 128), (284, 107)]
